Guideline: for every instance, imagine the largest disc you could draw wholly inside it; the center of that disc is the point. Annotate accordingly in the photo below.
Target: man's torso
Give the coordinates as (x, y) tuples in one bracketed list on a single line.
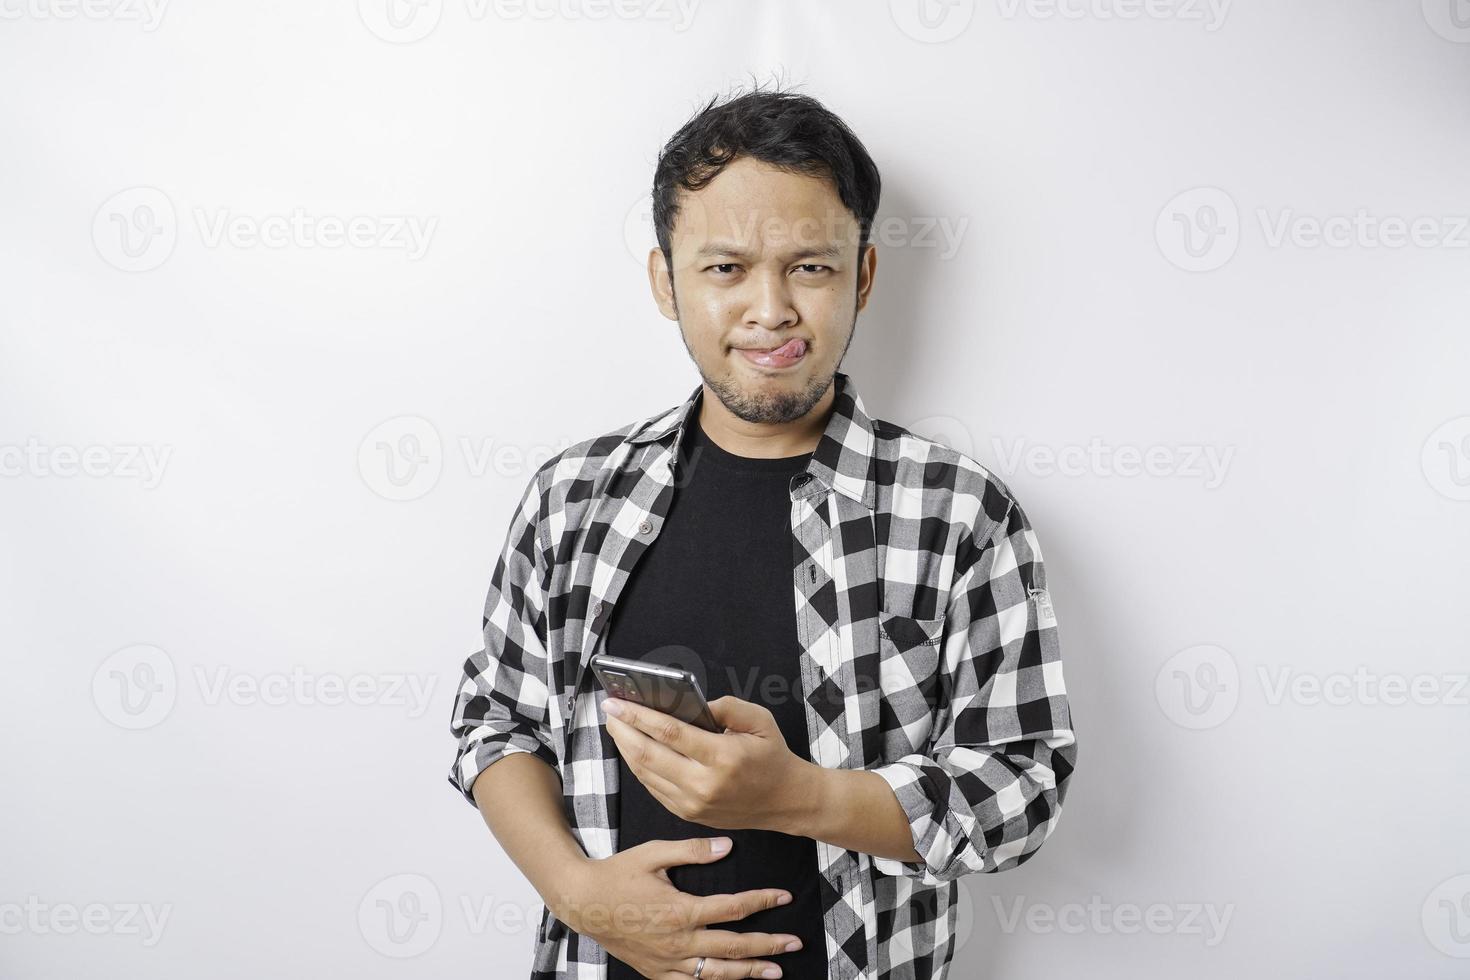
[(713, 595)]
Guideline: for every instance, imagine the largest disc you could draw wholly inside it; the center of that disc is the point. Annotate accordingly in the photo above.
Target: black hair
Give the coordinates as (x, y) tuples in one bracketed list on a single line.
[(793, 132)]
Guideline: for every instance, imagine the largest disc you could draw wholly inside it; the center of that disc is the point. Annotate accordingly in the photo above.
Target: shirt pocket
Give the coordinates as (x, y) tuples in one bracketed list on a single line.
[(909, 680)]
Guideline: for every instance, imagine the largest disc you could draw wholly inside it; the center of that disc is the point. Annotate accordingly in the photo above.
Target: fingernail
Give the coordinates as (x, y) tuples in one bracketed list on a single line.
[(719, 845), (783, 898), (793, 946), (613, 708), (771, 971)]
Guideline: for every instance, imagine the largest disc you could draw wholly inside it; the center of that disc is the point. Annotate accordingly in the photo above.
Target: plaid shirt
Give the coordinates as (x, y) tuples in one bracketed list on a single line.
[(929, 656)]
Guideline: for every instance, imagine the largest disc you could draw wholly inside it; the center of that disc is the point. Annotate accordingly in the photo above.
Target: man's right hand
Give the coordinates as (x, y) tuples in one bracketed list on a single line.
[(627, 903)]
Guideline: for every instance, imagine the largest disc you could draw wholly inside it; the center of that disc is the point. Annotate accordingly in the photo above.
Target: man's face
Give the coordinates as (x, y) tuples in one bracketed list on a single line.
[(762, 258)]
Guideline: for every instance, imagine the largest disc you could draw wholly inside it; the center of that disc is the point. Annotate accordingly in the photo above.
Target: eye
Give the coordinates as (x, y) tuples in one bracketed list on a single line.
[(722, 265), (811, 265)]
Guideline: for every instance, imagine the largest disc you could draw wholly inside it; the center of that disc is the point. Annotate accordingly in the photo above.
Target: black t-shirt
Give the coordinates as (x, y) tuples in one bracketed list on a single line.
[(714, 594)]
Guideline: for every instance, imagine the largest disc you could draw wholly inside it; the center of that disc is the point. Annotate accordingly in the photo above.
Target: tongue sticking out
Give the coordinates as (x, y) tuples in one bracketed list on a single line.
[(792, 348), (785, 356)]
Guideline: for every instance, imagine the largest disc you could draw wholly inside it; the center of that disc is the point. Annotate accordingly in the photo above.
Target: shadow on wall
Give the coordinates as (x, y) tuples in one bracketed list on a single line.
[(900, 335)]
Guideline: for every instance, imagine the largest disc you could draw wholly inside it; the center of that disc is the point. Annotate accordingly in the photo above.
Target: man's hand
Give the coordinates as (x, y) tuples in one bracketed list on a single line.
[(627, 903), (744, 779)]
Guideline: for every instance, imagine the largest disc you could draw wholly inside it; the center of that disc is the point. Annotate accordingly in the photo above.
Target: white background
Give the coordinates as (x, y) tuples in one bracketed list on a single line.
[(1130, 194)]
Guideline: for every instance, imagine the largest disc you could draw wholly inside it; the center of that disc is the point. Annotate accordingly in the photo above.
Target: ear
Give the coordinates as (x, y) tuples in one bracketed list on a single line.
[(867, 272), (662, 284)]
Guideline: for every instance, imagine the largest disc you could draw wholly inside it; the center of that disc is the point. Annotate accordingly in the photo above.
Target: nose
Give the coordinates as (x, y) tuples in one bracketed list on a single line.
[(769, 304)]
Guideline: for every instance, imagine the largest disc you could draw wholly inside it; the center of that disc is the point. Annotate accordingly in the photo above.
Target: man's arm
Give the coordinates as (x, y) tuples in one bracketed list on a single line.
[(533, 830), (854, 809), (989, 788), (501, 711)]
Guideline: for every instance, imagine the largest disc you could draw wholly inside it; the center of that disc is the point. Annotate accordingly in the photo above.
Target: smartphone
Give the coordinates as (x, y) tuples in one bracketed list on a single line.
[(672, 690)]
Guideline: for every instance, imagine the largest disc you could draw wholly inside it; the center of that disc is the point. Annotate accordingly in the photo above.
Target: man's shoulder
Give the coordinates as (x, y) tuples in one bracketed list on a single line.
[(583, 461), (943, 476)]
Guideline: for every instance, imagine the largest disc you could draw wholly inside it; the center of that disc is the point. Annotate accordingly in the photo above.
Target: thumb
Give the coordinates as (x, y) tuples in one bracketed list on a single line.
[(694, 850), (742, 716)]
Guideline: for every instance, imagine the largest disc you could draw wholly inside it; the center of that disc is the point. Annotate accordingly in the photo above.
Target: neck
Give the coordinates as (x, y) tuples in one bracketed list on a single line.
[(765, 440)]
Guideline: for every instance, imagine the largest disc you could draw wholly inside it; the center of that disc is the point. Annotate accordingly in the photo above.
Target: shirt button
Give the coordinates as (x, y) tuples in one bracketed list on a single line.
[(645, 527), (597, 609)]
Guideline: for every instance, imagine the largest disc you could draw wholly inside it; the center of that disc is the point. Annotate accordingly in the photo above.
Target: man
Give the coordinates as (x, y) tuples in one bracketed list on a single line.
[(867, 610)]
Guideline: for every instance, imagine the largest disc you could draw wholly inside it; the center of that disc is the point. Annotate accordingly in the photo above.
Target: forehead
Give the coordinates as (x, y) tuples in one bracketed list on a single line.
[(755, 208)]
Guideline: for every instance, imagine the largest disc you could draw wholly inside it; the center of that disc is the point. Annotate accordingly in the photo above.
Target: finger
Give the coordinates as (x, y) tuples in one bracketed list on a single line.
[(677, 735), (672, 797), (690, 850), (666, 793), (645, 752), (658, 726), (732, 907), (622, 736), (729, 969), (728, 945)]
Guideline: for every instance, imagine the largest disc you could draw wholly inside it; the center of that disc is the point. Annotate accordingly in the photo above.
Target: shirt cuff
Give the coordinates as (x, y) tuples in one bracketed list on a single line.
[(483, 755), (907, 778)]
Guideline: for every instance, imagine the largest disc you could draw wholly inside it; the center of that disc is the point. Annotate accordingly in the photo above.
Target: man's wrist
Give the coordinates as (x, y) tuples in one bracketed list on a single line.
[(567, 892), (804, 800), (846, 808)]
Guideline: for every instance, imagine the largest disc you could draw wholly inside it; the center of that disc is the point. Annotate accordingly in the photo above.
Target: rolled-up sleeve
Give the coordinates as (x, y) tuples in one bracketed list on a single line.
[(989, 787), (501, 705)]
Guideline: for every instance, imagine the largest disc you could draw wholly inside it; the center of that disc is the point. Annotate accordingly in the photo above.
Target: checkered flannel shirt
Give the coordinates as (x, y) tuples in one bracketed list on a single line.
[(929, 655)]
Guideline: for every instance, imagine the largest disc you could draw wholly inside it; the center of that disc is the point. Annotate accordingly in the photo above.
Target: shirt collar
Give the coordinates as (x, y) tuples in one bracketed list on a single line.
[(843, 460)]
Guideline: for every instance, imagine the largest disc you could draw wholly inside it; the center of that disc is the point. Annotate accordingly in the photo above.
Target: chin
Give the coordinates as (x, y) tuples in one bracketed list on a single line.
[(774, 398)]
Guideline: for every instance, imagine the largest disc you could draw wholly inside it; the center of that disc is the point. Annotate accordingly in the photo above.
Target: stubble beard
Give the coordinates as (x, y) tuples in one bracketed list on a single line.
[(762, 407)]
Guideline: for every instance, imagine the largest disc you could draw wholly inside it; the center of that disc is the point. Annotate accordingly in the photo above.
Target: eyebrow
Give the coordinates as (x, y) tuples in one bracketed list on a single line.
[(828, 251)]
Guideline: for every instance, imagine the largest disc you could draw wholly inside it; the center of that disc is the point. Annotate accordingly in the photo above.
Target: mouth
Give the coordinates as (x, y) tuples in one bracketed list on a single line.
[(784, 356)]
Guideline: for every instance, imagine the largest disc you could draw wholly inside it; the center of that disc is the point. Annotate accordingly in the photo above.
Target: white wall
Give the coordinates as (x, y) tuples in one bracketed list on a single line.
[(1057, 155)]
